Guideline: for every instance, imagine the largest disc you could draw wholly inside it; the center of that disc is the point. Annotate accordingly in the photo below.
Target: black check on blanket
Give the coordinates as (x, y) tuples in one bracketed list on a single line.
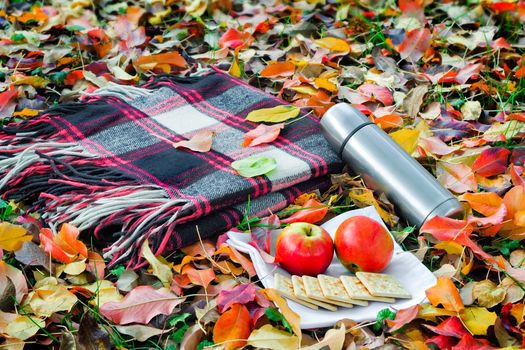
[(108, 165)]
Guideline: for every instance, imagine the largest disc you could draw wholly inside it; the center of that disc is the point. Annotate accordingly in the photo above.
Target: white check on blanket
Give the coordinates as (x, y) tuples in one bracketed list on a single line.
[(410, 273)]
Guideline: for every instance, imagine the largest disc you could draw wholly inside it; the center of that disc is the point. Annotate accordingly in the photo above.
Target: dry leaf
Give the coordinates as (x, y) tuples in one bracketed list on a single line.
[(24, 327), (488, 294), (293, 318), (233, 327), (12, 237), (140, 332), (456, 177), (200, 142), (278, 69), (478, 319), (49, 297), (406, 138), (160, 268), (446, 294), (64, 246), (333, 339), (415, 43), (269, 337), (262, 134), (334, 44)]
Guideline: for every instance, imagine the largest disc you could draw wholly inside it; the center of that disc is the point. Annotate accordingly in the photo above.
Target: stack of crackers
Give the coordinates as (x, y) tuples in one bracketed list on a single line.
[(346, 291)]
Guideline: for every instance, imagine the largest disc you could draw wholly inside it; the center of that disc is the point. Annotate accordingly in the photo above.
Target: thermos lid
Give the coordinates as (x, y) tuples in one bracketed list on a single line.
[(341, 122)]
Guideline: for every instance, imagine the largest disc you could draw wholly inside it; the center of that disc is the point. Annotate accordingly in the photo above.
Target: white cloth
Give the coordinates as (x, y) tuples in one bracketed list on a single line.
[(405, 267)]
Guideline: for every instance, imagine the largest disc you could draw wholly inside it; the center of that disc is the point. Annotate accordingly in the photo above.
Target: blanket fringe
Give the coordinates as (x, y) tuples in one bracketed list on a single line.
[(66, 183)]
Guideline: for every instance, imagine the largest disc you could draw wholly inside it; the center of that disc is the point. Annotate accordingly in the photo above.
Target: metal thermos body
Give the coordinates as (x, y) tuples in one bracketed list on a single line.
[(386, 167)]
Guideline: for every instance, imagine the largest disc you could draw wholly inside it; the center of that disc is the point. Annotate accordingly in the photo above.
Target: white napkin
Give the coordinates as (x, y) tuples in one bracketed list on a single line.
[(405, 267)]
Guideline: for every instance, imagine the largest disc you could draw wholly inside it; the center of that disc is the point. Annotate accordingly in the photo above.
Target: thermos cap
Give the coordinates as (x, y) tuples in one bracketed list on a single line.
[(340, 123)]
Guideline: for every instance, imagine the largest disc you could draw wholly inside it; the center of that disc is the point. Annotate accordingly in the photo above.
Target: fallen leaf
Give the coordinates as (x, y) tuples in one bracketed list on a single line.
[(12, 237), (488, 294), (278, 69), (471, 110), (160, 268), (432, 111), (406, 138), (91, 336), (380, 93), (312, 212), (456, 177), (96, 265), (141, 305), (333, 339), (492, 161), (146, 63), (293, 318), (478, 319), (24, 327), (241, 294), (140, 332), (49, 297), (232, 329), (64, 247), (262, 134), (334, 44), (276, 114), (200, 142), (415, 43), (403, 317), (269, 337), (486, 203), (414, 99), (8, 102), (199, 277), (446, 294), (127, 280), (254, 166), (451, 327), (434, 145)]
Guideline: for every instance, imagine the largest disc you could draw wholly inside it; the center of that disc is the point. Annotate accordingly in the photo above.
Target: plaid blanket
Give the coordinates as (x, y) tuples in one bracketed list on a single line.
[(108, 164)]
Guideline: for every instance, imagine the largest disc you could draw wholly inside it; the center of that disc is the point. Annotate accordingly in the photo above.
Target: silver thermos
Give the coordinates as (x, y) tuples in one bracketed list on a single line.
[(386, 167)]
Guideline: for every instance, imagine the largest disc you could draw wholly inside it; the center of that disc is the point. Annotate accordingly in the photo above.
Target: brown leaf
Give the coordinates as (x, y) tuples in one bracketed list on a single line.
[(192, 338), (91, 336), (414, 99), (488, 293), (200, 142)]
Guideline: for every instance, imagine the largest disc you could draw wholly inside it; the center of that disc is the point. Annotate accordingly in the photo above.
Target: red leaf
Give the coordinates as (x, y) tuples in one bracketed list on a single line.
[(500, 43), (241, 294), (442, 342), (470, 343), (262, 134), (451, 327), (380, 93), (501, 6), (516, 175), (416, 42), (457, 177), (233, 327), (141, 305), (403, 317), (459, 231), (7, 103), (434, 145), (233, 38), (492, 161), (494, 219), (467, 72), (312, 212)]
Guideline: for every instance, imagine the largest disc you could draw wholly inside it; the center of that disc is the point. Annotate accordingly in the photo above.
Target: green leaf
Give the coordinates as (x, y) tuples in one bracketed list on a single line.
[(178, 335), (254, 166), (275, 316), (117, 271), (203, 344), (273, 115), (382, 315), (180, 318)]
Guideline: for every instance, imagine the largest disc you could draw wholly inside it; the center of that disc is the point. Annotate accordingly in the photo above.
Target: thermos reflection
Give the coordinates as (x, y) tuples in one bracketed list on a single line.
[(386, 167)]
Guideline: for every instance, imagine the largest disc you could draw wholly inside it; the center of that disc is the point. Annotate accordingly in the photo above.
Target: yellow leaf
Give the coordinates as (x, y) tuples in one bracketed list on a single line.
[(75, 268), (326, 84), (49, 297), (35, 81), (160, 269), (269, 337), (275, 114), (26, 113), (363, 198), (235, 68), (334, 44), (488, 293), (333, 339), (450, 247), (24, 327), (478, 319), (428, 311), (293, 318), (305, 89), (12, 237), (406, 138), (105, 291)]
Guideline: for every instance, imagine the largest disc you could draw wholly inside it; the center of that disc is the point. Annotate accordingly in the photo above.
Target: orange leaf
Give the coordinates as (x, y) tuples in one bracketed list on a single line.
[(446, 294), (334, 44), (232, 327), (200, 142), (170, 58), (486, 203), (64, 247), (199, 277), (278, 69), (389, 122)]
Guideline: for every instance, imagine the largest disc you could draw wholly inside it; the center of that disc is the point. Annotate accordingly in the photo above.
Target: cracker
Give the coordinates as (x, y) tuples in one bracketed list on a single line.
[(382, 285), (313, 290), (334, 290), (300, 293), (358, 291), (283, 285)]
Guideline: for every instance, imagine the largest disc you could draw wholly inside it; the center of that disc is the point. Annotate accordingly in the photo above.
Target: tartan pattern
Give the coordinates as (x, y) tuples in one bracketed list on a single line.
[(131, 130)]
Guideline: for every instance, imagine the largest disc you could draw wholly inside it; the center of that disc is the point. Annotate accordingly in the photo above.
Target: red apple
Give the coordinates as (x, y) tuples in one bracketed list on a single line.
[(304, 249), (363, 244)]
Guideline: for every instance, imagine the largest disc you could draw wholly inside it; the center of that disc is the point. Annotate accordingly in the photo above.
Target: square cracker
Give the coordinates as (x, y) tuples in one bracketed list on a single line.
[(313, 290), (283, 285), (382, 285), (358, 291), (300, 293), (334, 290)]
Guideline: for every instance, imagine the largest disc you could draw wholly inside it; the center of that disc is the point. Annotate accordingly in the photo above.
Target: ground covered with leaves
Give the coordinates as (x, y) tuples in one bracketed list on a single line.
[(443, 78)]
